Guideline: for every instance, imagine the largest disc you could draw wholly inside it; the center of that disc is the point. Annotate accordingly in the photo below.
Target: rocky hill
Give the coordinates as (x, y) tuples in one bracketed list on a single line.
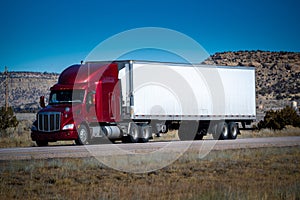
[(277, 75), (25, 88), (277, 80)]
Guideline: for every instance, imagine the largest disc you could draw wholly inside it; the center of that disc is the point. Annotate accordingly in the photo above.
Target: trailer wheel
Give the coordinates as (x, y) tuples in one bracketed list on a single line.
[(233, 130), (213, 129), (220, 131), (223, 130), (41, 143), (83, 136)]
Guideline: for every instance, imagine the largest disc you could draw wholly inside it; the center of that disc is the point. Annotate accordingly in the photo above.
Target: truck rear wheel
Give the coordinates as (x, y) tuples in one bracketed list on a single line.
[(213, 129), (145, 133), (83, 136), (134, 133)]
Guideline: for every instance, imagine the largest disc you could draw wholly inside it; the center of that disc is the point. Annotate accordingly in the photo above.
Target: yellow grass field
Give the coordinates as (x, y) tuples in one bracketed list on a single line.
[(264, 173)]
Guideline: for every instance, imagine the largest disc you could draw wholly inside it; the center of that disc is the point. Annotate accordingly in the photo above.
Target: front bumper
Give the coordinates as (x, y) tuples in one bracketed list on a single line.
[(54, 136)]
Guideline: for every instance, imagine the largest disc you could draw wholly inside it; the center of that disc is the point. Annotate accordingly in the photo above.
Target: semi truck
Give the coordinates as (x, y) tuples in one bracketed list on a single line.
[(130, 101)]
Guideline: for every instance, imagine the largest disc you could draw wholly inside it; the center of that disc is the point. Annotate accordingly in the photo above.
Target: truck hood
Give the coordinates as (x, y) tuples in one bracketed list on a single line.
[(62, 108)]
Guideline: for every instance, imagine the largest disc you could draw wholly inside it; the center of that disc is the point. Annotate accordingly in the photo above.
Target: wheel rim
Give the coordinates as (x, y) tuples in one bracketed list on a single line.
[(233, 131), (224, 131), (83, 135), (145, 133), (135, 133)]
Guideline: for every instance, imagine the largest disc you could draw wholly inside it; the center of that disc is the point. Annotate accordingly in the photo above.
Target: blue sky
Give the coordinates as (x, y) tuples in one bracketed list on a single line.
[(49, 35)]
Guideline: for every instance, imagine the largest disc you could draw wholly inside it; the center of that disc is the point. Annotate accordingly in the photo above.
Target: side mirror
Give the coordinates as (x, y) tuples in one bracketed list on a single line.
[(42, 101)]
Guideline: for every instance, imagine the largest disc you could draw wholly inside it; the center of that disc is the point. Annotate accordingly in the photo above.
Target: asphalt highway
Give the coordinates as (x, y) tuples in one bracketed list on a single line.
[(73, 151)]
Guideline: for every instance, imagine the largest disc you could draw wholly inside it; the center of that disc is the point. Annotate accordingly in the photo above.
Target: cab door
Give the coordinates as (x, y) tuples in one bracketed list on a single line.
[(90, 107)]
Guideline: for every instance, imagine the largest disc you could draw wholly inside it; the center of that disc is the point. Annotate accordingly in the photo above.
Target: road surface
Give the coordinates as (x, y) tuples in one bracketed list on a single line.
[(73, 151)]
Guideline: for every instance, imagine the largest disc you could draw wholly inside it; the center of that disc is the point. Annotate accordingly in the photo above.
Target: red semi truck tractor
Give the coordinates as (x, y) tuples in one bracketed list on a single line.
[(131, 100)]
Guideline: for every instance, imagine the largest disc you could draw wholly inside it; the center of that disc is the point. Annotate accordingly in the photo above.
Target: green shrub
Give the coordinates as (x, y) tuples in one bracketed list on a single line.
[(7, 119), (277, 120)]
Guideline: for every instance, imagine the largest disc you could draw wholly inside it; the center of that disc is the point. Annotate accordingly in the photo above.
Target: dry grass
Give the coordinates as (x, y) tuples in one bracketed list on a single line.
[(288, 131), (17, 137), (265, 173)]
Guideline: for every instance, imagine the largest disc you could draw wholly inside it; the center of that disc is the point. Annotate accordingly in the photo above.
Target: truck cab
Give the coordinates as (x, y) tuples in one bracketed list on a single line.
[(85, 96)]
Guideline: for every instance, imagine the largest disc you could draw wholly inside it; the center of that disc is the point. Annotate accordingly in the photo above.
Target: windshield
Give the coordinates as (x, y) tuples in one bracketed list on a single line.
[(66, 96)]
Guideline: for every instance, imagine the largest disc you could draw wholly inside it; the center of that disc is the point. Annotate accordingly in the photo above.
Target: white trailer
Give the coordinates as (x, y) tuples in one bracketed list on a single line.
[(195, 99)]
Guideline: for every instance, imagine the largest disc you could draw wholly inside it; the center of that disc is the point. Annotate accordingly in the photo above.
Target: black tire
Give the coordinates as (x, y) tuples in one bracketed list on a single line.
[(213, 129), (232, 130), (188, 130), (223, 130), (134, 133), (83, 136), (146, 132), (41, 143), (220, 131)]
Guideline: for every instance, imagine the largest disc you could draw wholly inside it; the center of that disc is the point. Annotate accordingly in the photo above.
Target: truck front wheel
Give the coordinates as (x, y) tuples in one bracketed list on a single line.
[(83, 136)]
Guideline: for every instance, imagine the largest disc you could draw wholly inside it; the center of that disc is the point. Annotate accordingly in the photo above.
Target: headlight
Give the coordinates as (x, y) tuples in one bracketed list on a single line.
[(68, 127)]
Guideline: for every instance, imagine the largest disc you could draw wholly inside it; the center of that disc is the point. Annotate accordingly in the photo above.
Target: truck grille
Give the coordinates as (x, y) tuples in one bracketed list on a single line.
[(49, 121)]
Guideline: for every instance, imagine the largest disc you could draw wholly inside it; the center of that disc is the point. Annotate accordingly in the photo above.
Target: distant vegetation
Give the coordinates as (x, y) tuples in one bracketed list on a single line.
[(7, 119), (277, 120)]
